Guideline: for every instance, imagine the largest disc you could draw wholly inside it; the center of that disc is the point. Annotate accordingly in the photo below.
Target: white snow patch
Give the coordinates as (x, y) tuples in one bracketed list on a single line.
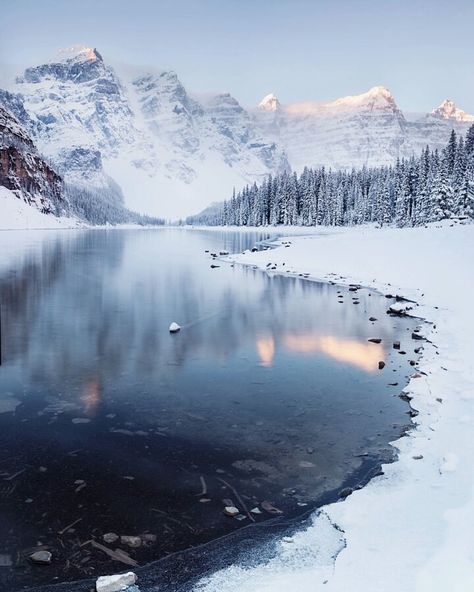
[(15, 214)]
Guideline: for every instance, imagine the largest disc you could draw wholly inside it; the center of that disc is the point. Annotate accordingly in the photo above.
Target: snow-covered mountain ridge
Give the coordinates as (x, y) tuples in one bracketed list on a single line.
[(146, 139), (366, 129)]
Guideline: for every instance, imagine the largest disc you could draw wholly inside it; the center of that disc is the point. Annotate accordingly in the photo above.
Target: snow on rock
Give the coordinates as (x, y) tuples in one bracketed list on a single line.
[(174, 327), (449, 110), (270, 103), (115, 583), (410, 529)]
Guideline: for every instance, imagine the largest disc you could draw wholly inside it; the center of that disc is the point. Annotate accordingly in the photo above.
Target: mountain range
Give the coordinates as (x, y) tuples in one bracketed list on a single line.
[(147, 142)]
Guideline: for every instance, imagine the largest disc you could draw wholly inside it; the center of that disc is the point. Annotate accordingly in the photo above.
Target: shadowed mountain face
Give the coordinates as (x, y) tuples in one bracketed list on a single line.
[(23, 170), (172, 153), (110, 422)]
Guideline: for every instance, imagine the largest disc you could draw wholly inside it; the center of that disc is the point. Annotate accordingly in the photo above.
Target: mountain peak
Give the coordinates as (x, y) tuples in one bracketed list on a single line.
[(379, 90), (79, 54), (269, 103), (376, 97), (449, 110)]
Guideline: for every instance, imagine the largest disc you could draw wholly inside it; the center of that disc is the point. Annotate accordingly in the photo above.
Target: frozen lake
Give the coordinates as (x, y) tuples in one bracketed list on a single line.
[(269, 397)]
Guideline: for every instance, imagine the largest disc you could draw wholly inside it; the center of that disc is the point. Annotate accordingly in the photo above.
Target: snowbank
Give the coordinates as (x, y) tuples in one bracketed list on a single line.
[(410, 529), (15, 214)]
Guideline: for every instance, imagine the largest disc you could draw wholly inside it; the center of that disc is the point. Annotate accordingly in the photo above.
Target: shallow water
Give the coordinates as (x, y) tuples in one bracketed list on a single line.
[(270, 393)]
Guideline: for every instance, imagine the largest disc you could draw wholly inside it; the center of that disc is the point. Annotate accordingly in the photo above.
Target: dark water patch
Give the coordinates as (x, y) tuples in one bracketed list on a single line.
[(269, 396)]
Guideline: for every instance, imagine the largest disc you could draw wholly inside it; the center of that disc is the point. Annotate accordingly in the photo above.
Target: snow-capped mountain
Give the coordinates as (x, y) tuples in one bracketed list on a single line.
[(23, 170), (143, 140), (449, 110), (169, 153), (366, 129)]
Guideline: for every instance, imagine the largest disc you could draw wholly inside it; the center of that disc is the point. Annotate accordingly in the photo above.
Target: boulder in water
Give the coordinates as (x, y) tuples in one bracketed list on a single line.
[(115, 583)]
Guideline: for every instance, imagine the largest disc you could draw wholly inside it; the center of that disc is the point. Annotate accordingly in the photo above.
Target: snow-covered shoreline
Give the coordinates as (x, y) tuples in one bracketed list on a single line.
[(411, 528)]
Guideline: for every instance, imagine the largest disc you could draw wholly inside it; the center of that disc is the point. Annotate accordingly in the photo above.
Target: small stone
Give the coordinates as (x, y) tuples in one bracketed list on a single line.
[(375, 340), (174, 327), (417, 457), (231, 511), (372, 319), (115, 583), (5, 560), (41, 557), (416, 336), (396, 345), (132, 541), (214, 266), (256, 511), (110, 537), (381, 365), (345, 492)]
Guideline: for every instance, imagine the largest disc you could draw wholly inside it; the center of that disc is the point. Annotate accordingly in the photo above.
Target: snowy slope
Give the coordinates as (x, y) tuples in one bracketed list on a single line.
[(409, 530), (16, 214)]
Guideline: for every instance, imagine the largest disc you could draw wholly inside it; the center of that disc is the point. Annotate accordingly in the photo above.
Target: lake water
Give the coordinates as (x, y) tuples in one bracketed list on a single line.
[(269, 397)]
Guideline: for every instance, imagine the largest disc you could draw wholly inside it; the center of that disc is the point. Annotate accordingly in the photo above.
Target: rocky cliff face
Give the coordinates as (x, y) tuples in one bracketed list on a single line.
[(23, 170)]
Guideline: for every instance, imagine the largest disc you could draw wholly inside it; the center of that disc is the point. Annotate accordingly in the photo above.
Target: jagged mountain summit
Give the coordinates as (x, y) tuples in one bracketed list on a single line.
[(270, 103), (143, 140), (449, 110)]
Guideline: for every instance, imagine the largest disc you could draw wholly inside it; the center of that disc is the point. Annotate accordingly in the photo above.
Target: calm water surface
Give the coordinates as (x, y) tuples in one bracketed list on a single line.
[(109, 424)]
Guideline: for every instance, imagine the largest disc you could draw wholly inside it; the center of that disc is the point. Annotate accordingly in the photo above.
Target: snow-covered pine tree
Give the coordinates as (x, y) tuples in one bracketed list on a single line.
[(414, 191)]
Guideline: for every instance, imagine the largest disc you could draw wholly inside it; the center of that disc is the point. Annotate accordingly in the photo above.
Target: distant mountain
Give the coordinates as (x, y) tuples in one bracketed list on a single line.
[(143, 141), (366, 129), (450, 111)]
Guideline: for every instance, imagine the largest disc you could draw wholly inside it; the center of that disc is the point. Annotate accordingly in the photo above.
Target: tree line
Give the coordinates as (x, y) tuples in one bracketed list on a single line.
[(437, 185)]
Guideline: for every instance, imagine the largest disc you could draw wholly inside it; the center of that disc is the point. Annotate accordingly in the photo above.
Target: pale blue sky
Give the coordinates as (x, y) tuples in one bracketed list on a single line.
[(301, 50)]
